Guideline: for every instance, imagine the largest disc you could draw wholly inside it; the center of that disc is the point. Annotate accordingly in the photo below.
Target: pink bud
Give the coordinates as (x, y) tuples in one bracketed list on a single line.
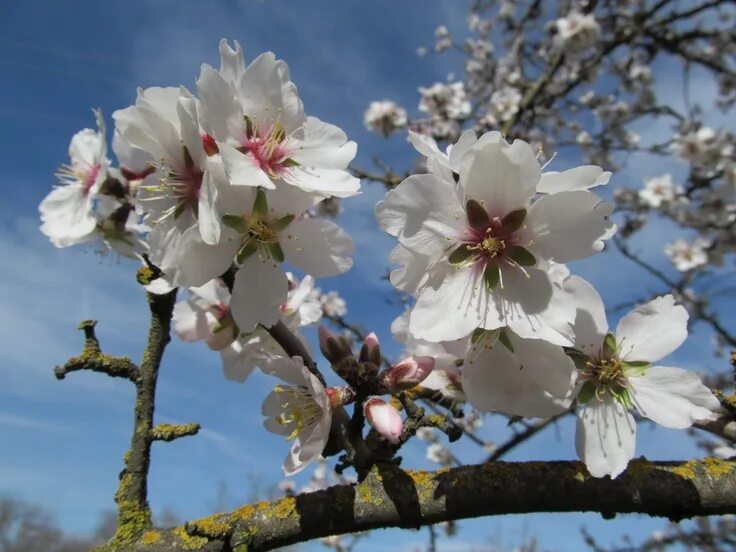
[(371, 340), (371, 350), (384, 418), (408, 373)]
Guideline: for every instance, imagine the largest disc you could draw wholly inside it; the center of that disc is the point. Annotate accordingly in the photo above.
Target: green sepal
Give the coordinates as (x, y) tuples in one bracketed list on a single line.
[(180, 208), (492, 276), (587, 392), (461, 254), (522, 256), (260, 205), (477, 216), (636, 367), (504, 339), (250, 127), (289, 163), (609, 345), (579, 358), (246, 250), (188, 161), (481, 334), (277, 254), (282, 223), (236, 222), (622, 395), (223, 324), (513, 221)]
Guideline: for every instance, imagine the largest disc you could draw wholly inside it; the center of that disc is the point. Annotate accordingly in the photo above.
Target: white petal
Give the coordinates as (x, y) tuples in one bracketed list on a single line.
[(318, 247), (213, 293), (652, 331), (208, 219), (499, 381), (452, 305), (285, 368), (260, 289), (243, 169), (457, 151), (238, 363), (605, 438), (67, 216), (534, 307), (189, 322), (232, 64), (672, 397), (197, 263), (189, 124), (290, 200), (413, 274), (221, 113), (579, 178), (591, 325), (84, 149), (503, 177), (324, 145), (322, 180), (423, 212), (568, 226)]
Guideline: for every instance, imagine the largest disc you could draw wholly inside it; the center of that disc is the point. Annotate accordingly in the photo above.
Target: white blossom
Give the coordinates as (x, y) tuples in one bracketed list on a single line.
[(445, 100), (384, 117), (659, 190), (257, 122), (301, 411), (481, 247), (688, 255), (616, 377), (577, 31)]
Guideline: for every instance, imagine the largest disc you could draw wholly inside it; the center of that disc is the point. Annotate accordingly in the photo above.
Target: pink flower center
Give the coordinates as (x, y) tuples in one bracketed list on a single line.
[(90, 178), (268, 149), (490, 244)]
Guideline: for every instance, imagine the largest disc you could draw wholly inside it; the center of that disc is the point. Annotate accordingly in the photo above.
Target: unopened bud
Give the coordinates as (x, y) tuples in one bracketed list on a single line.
[(384, 418), (408, 373), (371, 350), (333, 347)]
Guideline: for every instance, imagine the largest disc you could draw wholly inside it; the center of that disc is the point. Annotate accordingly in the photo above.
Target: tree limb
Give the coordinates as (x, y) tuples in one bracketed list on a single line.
[(391, 497)]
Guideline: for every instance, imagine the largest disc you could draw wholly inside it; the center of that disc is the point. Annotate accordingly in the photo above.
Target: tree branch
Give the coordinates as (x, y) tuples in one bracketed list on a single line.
[(391, 497), (92, 358)]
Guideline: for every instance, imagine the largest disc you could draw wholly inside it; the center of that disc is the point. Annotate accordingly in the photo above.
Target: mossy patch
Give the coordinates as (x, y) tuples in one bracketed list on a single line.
[(187, 541)]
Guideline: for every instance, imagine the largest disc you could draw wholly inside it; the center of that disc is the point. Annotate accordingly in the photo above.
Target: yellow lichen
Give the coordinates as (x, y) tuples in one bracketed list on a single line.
[(150, 537), (284, 508), (215, 526), (365, 493), (717, 468), (686, 470), (187, 541)]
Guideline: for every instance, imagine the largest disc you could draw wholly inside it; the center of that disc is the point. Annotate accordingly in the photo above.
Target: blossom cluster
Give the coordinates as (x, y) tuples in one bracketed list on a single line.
[(220, 190), (483, 238)]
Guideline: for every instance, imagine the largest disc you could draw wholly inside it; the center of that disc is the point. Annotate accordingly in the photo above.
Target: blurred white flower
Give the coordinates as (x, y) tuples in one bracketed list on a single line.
[(688, 255), (384, 117)]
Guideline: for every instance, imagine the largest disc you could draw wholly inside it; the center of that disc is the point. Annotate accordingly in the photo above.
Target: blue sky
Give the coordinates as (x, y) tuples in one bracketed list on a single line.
[(65, 440)]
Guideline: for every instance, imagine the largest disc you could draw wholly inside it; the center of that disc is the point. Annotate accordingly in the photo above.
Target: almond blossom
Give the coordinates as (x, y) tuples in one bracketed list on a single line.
[(384, 117), (688, 255), (616, 377), (301, 411), (206, 316), (95, 204), (659, 190), (254, 118), (480, 249), (164, 123)]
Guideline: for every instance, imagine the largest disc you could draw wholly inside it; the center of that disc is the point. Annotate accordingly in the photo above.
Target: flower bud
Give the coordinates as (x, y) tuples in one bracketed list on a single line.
[(333, 347), (371, 350), (408, 373), (384, 418)]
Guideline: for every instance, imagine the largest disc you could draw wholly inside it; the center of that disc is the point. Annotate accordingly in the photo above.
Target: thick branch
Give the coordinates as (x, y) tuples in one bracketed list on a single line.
[(391, 497)]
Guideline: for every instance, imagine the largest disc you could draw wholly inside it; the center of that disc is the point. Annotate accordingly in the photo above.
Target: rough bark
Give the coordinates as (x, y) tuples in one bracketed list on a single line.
[(391, 497)]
